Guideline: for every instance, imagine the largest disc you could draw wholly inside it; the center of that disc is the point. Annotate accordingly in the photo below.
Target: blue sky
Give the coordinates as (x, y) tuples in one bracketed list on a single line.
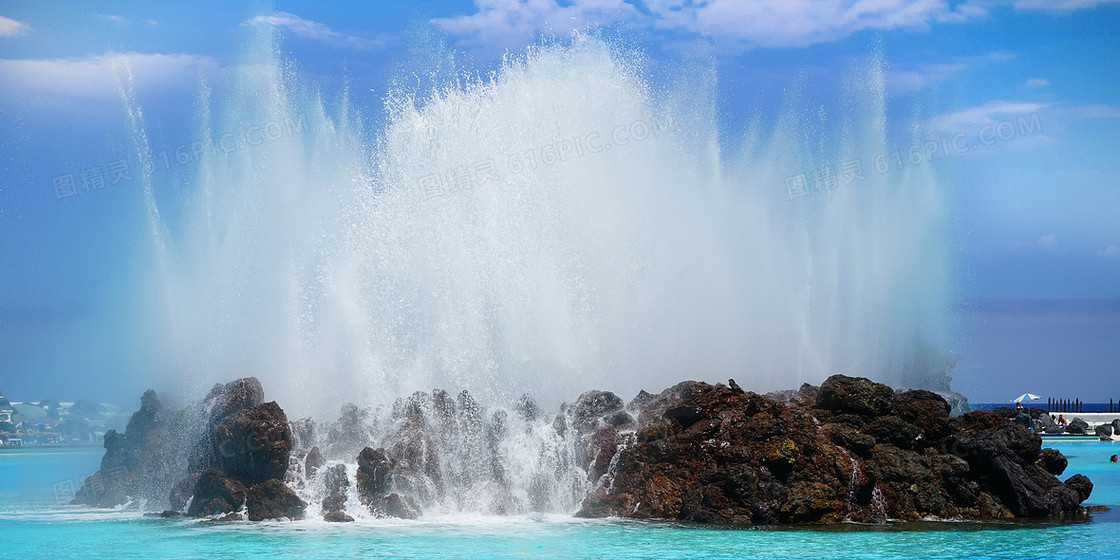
[(1033, 85)]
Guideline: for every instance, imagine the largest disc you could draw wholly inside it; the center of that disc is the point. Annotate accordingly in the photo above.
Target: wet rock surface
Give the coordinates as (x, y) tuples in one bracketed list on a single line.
[(336, 483), (253, 445), (146, 461), (588, 412), (216, 494), (213, 454), (272, 499), (853, 450), (849, 450), (376, 470)]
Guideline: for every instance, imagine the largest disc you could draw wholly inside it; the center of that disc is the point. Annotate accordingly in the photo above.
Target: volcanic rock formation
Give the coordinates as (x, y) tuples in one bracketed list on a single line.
[(239, 456), (852, 450)]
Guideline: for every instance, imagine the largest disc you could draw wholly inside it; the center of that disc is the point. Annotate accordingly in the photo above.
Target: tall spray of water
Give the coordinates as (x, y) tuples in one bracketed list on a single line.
[(555, 227)]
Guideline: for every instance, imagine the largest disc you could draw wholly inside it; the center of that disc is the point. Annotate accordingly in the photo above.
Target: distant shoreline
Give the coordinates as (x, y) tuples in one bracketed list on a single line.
[(1087, 407)]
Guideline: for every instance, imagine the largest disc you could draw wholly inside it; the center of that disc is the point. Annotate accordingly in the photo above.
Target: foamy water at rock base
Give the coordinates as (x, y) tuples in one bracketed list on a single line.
[(558, 225)]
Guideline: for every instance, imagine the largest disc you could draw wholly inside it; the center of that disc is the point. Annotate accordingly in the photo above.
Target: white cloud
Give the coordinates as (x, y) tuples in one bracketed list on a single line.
[(514, 22), (315, 31), (1110, 251), (739, 24), (796, 23), (120, 20), (760, 23), (1038, 83), (12, 28), (1048, 241), (97, 77), (1059, 5)]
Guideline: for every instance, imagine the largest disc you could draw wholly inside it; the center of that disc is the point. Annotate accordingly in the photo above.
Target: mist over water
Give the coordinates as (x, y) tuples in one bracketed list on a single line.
[(557, 226)]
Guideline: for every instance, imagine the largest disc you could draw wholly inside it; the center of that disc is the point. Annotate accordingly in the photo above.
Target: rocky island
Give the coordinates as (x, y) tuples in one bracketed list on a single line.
[(850, 450)]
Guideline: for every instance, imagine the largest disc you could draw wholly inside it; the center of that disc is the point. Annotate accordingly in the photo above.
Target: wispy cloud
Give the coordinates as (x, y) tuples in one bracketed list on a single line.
[(909, 77), (1048, 241), (988, 114), (315, 31), (921, 77), (12, 28), (120, 20), (995, 126), (1110, 251), (994, 112), (1038, 83)]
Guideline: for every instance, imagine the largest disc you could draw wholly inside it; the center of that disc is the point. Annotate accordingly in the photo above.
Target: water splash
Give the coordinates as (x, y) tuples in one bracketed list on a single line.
[(557, 226), (451, 456)]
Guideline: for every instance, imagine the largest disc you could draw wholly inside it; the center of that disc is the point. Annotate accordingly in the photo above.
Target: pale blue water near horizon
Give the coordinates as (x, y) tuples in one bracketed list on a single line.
[(34, 525)]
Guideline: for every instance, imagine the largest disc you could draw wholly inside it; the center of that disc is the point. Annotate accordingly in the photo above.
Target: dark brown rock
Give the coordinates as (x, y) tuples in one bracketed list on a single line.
[(376, 471), (253, 445), (337, 517), (272, 499), (601, 447), (1053, 461), (216, 494), (591, 407), (639, 400), (850, 438), (395, 505), (653, 408), (1080, 484), (182, 491), (926, 410), (374, 468), (685, 415), (235, 396), (855, 395), (895, 431), (978, 420), (313, 462), (621, 420), (336, 483), (861, 453)]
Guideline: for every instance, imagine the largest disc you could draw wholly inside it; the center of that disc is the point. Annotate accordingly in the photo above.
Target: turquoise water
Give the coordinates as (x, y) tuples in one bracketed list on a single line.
[(33, 525)]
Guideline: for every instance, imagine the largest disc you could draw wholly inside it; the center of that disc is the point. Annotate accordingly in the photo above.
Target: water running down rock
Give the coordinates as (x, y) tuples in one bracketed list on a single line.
[(849, 450)]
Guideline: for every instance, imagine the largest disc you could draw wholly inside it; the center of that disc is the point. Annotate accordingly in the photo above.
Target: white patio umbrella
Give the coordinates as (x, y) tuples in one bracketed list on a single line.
[(1026, 397)]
